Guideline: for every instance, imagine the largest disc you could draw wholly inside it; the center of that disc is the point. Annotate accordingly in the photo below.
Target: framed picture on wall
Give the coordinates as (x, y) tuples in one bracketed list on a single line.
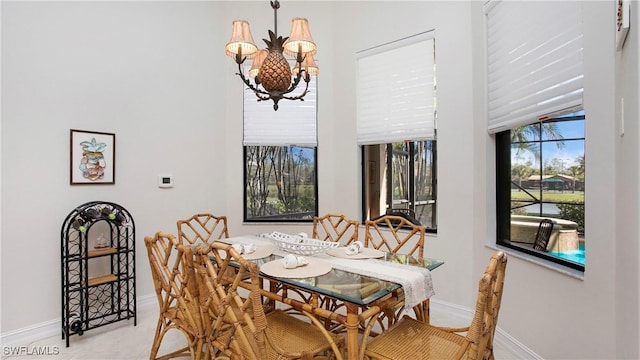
[(93, 158)]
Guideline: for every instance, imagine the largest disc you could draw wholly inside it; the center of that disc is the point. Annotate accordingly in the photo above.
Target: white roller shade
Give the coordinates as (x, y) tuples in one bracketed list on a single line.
[(396, 91), (534, 58), (293, 124)]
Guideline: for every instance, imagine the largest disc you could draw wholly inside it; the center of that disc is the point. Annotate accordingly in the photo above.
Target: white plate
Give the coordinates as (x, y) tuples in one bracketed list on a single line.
[(365, 253), (316, 267)]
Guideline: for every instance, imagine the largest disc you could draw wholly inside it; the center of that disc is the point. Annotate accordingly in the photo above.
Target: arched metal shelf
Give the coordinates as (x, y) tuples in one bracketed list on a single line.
[(88, 300)]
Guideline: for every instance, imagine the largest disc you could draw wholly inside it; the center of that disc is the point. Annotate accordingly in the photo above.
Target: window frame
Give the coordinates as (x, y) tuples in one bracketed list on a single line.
[(274, 218), (412, 202), (503, 194)]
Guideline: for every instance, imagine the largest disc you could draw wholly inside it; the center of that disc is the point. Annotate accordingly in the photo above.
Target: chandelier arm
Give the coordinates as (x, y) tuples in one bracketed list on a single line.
[(302, 74), (296, 80), (301, 95), (261, 96), (247, 82)]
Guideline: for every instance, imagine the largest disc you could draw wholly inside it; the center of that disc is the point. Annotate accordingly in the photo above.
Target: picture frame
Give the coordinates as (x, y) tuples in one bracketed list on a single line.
[(623, 12), (92, 157)]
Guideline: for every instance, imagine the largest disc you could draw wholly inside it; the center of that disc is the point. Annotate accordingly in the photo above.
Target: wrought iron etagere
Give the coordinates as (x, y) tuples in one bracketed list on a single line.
[(90, 301)]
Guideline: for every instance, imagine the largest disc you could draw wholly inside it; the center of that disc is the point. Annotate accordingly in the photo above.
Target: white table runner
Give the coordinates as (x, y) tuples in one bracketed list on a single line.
[(415, 280)]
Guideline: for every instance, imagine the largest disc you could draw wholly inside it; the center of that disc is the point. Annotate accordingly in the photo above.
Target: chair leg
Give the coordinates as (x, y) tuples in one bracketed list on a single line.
[(161, 330), (157, 340), (422, 311)]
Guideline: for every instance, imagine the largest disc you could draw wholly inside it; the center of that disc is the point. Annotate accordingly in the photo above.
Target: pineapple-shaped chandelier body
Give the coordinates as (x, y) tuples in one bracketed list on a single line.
[(275, 72), (274, 78)]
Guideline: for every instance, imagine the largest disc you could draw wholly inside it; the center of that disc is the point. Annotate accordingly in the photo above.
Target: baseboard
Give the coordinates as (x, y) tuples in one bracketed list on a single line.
[(46, 329), (50, 328), (502, 339)]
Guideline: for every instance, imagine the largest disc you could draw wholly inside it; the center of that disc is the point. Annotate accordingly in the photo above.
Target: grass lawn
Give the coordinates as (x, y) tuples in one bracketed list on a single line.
[(549, 196)]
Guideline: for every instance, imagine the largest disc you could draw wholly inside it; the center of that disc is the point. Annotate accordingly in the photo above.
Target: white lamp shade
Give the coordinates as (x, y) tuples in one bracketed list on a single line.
[(300, 38), (241, 40)]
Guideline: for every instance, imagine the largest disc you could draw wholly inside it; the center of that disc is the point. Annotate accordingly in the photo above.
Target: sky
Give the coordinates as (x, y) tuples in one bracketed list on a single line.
[(567, 154)]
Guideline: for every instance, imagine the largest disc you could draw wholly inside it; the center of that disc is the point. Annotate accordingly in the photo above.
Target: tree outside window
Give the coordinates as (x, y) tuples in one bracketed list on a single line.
[(280, 183)]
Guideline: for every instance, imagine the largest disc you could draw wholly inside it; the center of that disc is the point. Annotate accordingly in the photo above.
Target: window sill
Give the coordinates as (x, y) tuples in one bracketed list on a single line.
[(577, 274)]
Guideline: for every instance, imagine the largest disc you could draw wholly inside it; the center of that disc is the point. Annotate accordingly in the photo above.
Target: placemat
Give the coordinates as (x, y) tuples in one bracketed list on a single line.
[(261, 252), (365, 253), (263, 249), (314, 268)]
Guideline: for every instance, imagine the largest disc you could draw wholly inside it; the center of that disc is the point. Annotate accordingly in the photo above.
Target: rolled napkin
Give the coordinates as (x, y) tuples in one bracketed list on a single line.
[(354, 248), (244, 248), (303, 235), (291, 261)]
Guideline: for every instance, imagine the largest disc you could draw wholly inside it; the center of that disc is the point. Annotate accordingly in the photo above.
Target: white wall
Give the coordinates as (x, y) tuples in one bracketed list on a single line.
[(627, 171), (154, 73), (150, 72)]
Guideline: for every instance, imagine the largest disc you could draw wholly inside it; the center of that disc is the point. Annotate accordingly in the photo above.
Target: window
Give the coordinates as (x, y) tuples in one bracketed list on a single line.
[(534, 88), (401, 178), (541, 174), (280, 178), (280, 183), (396, 128)]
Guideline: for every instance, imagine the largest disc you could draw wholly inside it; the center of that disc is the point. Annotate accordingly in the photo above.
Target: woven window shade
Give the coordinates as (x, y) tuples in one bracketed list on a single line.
[(293, 124), (534, 59), (396, 91)]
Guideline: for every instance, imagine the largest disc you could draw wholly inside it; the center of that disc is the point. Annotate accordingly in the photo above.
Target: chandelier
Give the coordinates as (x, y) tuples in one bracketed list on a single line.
[(273, 78)]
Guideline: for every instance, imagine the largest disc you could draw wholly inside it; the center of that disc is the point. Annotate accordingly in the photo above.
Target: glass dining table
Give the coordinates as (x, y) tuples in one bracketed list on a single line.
[(362, 296)]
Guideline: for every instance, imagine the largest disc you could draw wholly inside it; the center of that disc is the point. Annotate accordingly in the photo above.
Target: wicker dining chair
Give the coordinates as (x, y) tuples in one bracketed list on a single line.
[(391, 233), (252, 334), (416, 340), (545, 228), (177, 297), (395, 234), (335, 228), (409, 214), (202, 228)]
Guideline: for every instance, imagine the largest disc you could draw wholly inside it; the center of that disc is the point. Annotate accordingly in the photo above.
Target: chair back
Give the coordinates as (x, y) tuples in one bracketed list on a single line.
[(238, 334), (173, 283), (239, 328), (335, 227), (392, 233), (543, 234), (483, 326), (409, 214), (497, 267), (202, 228)]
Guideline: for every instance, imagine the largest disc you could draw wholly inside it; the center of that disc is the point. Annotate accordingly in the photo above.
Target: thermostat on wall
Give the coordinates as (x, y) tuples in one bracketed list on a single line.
[(165, 181)]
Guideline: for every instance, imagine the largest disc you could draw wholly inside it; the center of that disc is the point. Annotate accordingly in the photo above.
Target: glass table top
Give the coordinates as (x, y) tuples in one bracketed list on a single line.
[(349, 286)]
